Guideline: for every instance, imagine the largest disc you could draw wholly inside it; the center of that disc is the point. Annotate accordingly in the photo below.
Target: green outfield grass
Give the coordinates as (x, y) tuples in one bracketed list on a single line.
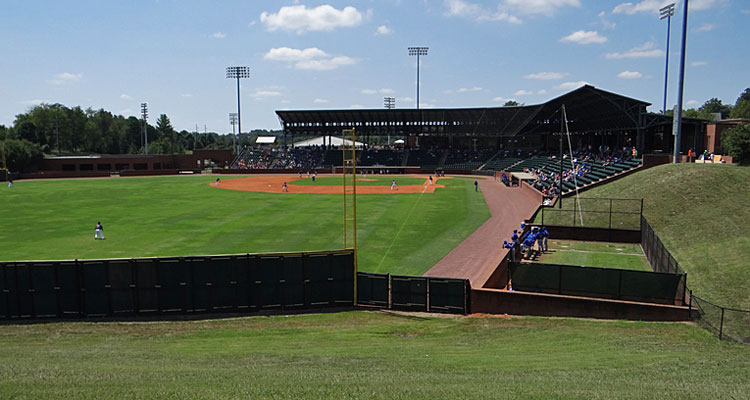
[(361, 355), (594, 254), (181, 216), (374, 180), (701, 213)]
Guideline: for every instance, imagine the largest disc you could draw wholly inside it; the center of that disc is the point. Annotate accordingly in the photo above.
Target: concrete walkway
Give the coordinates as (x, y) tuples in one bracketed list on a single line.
[(479, 254)]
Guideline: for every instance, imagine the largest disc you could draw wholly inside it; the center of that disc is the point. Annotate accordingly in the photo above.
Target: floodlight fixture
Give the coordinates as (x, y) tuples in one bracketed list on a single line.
[(418, 51), (666, 12), (144, 114), (238, 73), (389, 102)]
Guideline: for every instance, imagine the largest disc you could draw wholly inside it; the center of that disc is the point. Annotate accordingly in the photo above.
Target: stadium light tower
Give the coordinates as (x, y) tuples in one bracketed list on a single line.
[(666, 12), (237, 73), (233, 120), (677, 119), (144, 114), (418, 51), (389, 102)]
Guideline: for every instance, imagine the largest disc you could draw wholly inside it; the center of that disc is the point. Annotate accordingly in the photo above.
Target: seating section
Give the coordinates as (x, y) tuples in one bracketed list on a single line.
[(426, 158), (467, 159), (281, 158), (385, 157)]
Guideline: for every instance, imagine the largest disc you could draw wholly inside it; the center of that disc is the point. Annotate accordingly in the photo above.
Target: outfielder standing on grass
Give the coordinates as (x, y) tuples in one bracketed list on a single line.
[(99, 231)]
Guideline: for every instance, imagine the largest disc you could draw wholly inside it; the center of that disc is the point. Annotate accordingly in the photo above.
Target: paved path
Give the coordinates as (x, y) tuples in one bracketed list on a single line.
[(477, 256)]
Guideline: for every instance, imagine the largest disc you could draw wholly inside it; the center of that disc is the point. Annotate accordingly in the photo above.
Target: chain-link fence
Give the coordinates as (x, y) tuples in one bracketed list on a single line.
[(728, 323), (594, 212)]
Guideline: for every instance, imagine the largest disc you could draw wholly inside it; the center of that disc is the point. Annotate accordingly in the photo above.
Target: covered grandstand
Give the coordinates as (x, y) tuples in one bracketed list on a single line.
[(595, 118)]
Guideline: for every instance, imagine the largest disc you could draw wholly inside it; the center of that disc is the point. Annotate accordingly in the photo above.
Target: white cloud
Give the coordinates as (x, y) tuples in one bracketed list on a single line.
[(308, 59), (260, 93), (285, 101), (125, 97), (584, 37), (381, 91), (546, 75), (127, 111), (471, 89), (462, 8), (218, 35), (646, 50), (356, 106), (653, 6), (65, 77), (406, 99), (186, 95), (704, 28), (692, 102), (745, 11), (542, 92), (300, 19), (570, 85), (383, 30), (607, 24), (320, 101), (500, 99), (523, 92), (544, 7), (630, 75), (698, 63)]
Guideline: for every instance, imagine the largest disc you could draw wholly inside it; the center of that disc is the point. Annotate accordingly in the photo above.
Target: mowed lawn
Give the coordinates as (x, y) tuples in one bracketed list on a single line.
[(594, 254), (701, 213), (184, 216), (371, 355)]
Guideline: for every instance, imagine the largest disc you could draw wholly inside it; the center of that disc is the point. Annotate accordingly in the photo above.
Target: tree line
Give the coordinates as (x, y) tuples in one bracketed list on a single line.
[(54, 129)]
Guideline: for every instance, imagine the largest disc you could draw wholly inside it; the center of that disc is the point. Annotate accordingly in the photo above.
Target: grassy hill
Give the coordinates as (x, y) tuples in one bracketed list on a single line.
[(367, 355), (701, 213)]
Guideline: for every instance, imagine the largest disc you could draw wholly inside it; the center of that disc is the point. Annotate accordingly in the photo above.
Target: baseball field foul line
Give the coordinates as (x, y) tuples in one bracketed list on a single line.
[(401, 227)]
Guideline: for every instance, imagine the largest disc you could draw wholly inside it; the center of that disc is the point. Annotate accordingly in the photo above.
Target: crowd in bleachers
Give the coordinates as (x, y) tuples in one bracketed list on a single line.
[(281, 158)]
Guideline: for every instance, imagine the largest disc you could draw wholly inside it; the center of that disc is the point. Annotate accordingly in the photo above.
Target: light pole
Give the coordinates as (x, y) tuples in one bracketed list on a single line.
[(666, 12), (237, 73), (677, 119), (389, 102), (144, 114), (233, 120), (418, 51)]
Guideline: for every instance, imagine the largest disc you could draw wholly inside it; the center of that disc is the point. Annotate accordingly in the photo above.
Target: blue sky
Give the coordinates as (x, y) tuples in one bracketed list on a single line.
[(350, 54)]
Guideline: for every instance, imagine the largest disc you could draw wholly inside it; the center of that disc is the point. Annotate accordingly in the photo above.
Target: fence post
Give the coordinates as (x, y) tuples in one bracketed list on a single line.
[(684, 288), (427, 297), (690, 305), (610, 213), (721, 324)]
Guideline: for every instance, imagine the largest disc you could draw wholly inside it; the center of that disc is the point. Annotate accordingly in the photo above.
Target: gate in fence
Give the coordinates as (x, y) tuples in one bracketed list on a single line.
[(413, 293)]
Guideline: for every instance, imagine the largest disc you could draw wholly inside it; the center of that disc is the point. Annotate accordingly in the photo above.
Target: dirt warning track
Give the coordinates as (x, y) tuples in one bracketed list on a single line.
[(274, 183)]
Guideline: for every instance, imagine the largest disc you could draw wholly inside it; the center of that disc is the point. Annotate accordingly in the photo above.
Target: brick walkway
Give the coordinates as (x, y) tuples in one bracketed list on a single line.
[(477, 256)]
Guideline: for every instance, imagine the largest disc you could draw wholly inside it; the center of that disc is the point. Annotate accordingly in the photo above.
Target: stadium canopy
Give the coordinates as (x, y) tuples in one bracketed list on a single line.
[(265, 140), (328, 141), (588, 109)]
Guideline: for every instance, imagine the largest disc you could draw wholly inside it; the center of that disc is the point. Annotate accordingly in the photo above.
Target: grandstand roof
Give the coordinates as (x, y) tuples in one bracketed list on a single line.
[(588, 109)]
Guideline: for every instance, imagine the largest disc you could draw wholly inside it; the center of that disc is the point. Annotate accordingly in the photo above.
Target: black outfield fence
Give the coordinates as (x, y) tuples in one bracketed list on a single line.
[(413, 293), (608, 283), (159, 286), (727, 323), (593, 212)]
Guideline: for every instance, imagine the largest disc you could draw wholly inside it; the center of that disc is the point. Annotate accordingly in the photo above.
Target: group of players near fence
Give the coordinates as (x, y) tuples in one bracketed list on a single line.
[(521, 244)]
